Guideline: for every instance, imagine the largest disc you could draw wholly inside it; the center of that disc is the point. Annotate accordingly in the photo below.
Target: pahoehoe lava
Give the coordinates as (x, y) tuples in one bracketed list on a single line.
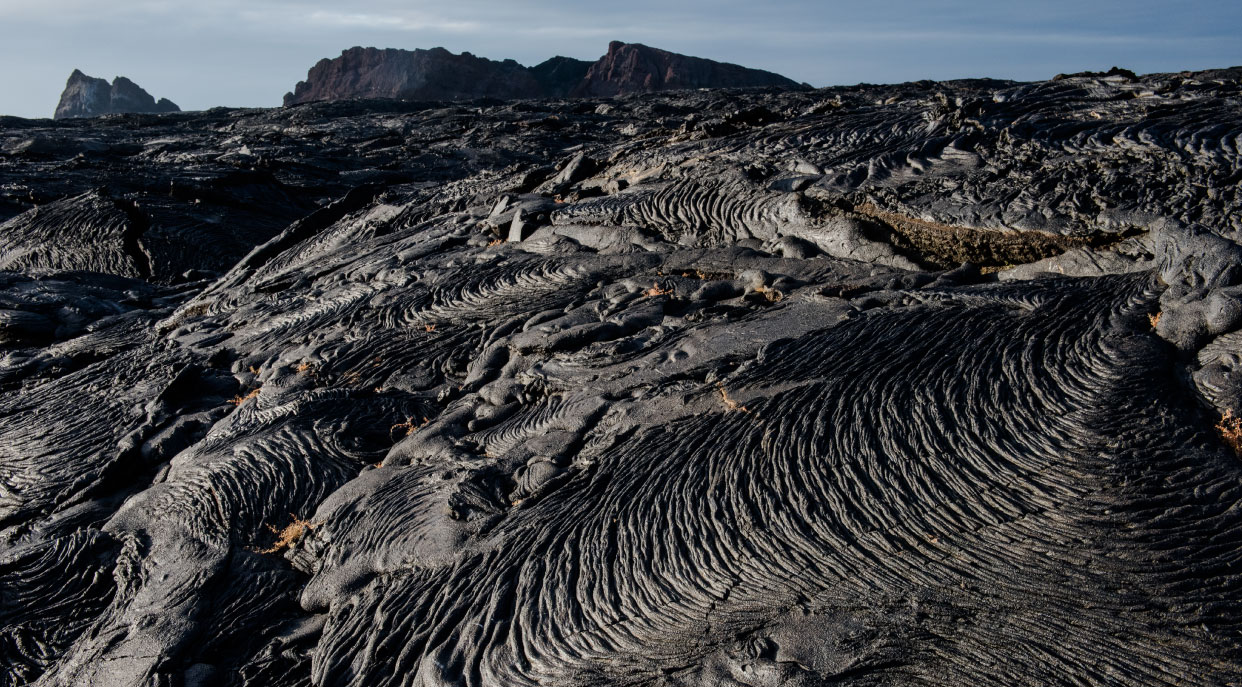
[(923, 384)]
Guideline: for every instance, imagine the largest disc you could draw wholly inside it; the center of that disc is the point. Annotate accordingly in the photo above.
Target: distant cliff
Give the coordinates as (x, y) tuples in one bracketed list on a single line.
[(85, 96), (633, 68), (434, 74), (438, 74)]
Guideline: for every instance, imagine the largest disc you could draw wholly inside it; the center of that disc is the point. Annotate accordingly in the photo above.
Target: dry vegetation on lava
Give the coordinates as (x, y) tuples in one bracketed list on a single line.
[(928, 384)]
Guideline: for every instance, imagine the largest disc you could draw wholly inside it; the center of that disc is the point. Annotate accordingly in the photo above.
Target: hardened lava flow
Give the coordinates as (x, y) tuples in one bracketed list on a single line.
[(926, 384)]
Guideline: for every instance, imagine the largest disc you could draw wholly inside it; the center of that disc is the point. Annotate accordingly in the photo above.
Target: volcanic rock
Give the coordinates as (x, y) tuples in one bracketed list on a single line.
[(85, 96), (915, 384), (53, 237)]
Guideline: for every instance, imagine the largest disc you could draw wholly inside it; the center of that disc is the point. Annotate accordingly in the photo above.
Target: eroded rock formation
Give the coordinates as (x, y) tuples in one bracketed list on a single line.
[(927, 384), (86, 96)]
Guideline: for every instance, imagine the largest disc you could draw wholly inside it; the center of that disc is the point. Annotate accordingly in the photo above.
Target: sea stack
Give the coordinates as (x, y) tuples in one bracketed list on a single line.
[(86, 96)]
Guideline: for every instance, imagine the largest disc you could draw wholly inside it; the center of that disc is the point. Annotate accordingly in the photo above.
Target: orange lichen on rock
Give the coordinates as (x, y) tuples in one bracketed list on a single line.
[(290, 535), (409, 426), (1230, 429), (728, 402), (239, 399)]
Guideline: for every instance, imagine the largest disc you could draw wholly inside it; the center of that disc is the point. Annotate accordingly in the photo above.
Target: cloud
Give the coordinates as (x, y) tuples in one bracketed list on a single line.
[(1057, 22), (391, 22)]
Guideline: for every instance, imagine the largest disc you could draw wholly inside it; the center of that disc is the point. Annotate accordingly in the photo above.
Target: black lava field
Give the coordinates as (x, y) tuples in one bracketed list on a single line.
[(926, 384)]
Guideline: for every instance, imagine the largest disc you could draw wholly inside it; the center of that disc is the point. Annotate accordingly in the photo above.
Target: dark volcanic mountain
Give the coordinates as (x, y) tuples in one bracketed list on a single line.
[(438, 74), (434, 74), (559, 76), (930, 384), (86, 96), (633, 68)]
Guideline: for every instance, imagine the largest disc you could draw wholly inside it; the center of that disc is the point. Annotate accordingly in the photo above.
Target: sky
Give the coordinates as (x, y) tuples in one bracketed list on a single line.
[(248, 53)]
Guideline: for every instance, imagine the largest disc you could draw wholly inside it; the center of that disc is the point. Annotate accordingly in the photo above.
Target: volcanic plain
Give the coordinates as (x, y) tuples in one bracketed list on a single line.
[(920, 384)]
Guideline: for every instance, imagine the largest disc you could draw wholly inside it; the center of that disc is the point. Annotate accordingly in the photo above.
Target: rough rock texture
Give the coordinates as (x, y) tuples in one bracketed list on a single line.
[(673, 389), (85, 96), (635, 68), (438, 74)]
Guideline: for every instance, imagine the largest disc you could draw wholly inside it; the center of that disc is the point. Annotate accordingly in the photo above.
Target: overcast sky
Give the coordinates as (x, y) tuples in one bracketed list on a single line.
[(203, 53)]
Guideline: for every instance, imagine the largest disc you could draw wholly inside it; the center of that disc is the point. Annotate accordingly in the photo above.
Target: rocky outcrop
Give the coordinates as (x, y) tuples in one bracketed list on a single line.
[(434, 74), (438, 74), (634, 68), (86, 96)]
